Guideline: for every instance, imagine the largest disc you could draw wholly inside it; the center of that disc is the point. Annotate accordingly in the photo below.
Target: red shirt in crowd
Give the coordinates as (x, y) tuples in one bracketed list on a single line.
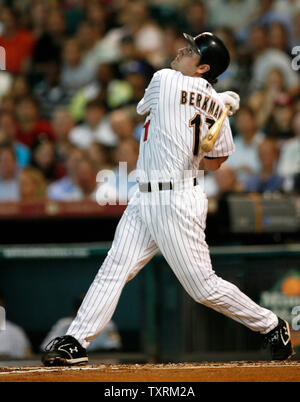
[(41, 128), (18, 49)]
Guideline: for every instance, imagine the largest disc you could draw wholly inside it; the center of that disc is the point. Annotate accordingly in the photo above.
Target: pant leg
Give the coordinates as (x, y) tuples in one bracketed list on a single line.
[(131, 249), (178, 230)]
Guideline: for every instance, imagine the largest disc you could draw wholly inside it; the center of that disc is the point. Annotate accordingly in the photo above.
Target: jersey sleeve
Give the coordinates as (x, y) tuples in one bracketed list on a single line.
[(224, 146), (151, 96)]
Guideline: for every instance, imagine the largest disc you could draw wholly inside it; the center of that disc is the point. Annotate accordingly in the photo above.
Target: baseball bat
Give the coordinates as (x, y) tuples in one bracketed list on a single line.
[(211, 137)]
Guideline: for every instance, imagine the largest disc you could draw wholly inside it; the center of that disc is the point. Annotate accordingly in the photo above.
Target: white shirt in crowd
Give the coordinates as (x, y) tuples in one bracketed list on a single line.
[(83, 136), (13, 341)]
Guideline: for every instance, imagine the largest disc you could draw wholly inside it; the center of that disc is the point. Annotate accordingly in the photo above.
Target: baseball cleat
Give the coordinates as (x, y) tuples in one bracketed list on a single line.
[(279, 340), (64, 351)]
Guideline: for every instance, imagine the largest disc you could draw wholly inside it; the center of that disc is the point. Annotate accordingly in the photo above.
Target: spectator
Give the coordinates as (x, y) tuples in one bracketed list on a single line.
[(234, 14), (18, 42), (8, 103), (227, 182), (265, 14), (75, 13), (43, 159), (138, 74), (279, 124), (48, 47), (6, 81), (32, 185), (296, 30), (267, 59), (30, 126), (289, 160), (97, 154), (279, 38), (96, 13), (62, 123), (95, 128), (39, 18), (267, 180), (48, 91), (66, 188), (108, 340), (123, 123), (108, 88), (85, 178), (113, 89), (196, 18), (263, 101), (245, 159), (96, 49), (9, 175), (228, 185), (121, 185), (14, 342), (147, 34), (20, 87), (287, 7), (8, 126), (75, 73)]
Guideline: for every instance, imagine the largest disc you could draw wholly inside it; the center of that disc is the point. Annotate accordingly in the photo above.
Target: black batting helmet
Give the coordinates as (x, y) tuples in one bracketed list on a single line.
[(212, 52)]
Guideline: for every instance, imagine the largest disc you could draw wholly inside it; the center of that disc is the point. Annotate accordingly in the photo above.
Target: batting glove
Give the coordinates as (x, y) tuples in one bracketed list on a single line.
[(231, 98)]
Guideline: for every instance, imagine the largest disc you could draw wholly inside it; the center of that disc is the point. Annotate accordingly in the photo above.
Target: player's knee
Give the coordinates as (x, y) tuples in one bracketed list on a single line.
[(207, 293)]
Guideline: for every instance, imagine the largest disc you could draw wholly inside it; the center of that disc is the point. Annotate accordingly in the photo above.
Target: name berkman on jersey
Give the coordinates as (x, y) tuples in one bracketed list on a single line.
[(207, 104)]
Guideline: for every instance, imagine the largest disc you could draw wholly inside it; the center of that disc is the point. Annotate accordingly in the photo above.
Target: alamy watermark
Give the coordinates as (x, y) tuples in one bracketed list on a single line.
[(118, 186), (2, 319), (296, 59), (296, 319)]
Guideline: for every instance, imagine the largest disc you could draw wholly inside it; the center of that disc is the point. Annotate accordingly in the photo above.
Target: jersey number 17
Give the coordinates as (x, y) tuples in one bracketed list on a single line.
[(196, 122)]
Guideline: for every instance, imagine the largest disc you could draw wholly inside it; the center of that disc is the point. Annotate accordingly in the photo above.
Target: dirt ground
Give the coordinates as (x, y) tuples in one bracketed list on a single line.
[(182, 372)]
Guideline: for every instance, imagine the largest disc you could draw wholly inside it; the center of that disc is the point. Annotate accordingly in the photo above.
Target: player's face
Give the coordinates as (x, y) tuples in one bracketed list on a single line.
[(186, 61)]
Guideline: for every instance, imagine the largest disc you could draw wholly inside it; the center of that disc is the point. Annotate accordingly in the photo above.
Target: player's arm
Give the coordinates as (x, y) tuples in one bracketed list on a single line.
[(229, 98), (212, 163), (151, 96)]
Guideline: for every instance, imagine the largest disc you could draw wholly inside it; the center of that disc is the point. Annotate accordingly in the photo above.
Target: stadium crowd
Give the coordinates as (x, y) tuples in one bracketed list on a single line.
[(76, 69)]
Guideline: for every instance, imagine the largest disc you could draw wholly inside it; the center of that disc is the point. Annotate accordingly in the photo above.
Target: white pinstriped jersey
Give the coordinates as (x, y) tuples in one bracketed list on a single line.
[(181, 110)]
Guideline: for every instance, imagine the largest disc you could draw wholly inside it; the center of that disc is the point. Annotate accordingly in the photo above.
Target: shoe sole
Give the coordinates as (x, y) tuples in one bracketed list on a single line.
[(59, 361)]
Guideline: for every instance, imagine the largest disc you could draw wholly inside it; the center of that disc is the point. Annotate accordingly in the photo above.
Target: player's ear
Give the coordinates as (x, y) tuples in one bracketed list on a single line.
[(203, 68)]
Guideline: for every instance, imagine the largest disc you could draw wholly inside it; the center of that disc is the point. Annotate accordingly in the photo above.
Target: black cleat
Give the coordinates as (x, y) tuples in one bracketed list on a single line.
[(279, 340), (64, 351)]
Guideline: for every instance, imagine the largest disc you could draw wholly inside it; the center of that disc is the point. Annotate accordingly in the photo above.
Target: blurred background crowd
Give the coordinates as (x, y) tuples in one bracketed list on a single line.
[(76, 69)]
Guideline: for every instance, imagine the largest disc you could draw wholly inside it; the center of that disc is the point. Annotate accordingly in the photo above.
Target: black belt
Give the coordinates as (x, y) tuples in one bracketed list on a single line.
[(146, 187)]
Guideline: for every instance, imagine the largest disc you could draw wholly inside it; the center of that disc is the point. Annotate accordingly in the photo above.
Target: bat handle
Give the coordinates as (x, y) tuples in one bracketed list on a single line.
[(225, 113)]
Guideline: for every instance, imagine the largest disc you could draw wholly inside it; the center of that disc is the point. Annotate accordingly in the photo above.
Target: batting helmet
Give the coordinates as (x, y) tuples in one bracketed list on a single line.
[(212, 52)]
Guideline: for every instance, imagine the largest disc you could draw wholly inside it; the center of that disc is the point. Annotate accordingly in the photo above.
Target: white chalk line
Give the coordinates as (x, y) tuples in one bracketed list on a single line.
[(145, 367)]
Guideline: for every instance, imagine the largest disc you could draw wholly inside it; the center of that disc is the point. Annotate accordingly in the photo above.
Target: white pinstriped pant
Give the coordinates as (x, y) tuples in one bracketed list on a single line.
[(172, 222)]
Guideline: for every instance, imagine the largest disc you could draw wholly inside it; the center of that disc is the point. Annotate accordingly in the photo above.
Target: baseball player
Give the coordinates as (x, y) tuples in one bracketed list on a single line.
[(168, 211)]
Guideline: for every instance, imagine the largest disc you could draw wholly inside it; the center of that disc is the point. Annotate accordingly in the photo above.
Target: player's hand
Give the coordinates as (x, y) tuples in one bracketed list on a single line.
[(231, 98)]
